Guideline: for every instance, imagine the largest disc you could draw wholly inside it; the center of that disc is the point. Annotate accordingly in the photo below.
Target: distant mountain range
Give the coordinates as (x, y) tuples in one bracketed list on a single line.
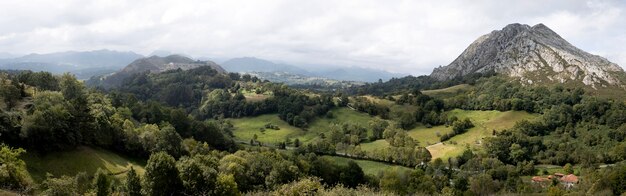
[(251, 64), (82, 64), (534, 55)]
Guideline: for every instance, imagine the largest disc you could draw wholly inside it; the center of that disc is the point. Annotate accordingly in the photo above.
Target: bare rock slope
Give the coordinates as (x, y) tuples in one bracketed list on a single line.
[(534, 55)]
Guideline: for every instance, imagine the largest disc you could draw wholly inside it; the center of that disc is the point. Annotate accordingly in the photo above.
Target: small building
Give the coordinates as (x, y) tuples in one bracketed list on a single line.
[(569, 180)]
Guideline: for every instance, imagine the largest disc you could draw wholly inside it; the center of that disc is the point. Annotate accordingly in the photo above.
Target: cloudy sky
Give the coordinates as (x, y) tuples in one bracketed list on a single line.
[(398, 36)]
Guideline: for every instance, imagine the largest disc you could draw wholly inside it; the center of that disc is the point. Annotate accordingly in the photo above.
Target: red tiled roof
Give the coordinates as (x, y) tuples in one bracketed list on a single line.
[(539, 179), (570, 178)]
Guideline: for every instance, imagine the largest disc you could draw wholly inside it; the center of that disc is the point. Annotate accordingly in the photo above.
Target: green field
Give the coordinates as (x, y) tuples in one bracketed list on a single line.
[(369, 167), (484, 124), (447, 92), (251, 96), (245, 128), (342, 115), (378, 144), (81, 159)]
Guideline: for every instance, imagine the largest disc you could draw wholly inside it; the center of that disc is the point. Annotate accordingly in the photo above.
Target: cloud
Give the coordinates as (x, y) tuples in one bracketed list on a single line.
[(400, 36)]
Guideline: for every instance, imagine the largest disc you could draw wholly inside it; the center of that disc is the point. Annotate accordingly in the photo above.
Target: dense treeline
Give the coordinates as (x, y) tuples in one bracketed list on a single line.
[(76, 116), (409, 83), (496, 93), (429, 110), (345, 139)]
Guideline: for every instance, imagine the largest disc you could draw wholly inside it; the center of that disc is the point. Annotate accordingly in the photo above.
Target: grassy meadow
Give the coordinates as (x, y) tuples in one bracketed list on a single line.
[(484, 124), (369, 167), (85, 159)]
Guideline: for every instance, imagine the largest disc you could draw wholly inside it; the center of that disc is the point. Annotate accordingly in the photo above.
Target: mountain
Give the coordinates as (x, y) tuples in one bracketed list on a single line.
[(153, 64), (533, 55), (80, 63), (251, 64)]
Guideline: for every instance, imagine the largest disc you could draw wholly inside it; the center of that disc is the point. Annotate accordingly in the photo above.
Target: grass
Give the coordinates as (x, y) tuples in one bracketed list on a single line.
[(428, 136), (370, 146), (252, 96), (369, 167), (7, 193), (447, 92), (484, 124), (553, 169), (341, 115), (245, 128), (85, 159)]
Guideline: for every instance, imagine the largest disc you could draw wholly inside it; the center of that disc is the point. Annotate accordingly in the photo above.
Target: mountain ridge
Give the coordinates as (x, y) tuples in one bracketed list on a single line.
[(534, 54), (253, 64), (82, 63)]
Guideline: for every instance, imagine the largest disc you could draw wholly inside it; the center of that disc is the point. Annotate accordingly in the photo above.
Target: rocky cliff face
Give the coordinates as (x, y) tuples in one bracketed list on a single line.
[(533, 55)]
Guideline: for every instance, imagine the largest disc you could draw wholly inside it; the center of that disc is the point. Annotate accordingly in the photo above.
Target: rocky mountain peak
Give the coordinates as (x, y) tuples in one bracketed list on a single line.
[(533, 55)]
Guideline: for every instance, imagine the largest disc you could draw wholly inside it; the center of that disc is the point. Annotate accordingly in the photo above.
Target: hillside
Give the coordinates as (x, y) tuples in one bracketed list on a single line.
[(534, 55), (153, 64), (83, 159)]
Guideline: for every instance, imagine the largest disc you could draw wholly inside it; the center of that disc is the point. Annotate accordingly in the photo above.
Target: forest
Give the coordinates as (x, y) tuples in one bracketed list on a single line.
[(180, 125)]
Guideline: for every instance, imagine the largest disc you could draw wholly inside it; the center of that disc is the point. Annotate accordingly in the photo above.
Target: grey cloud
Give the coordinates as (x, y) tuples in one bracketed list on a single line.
[(400, 36)]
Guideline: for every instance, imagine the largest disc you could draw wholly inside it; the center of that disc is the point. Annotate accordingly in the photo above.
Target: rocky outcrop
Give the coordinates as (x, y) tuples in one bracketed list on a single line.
[(533, 55)]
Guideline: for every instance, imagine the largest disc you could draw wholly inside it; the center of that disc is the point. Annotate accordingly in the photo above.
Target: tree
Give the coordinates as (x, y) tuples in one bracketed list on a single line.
[(393, 181), (226, 185), (306, 186), (378, 126), (483, 184), (50, 123), (568, 168), (102, 183), (133, 183), (407, 121), (64, 185), (162, 177), (296, 143), (164, 139), (83, 183), (198, 173), (13, 173), (517, 153), (352, 175)]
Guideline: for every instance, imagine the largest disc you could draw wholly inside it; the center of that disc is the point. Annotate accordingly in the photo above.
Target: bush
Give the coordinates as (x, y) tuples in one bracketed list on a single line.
[(13, 174)]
